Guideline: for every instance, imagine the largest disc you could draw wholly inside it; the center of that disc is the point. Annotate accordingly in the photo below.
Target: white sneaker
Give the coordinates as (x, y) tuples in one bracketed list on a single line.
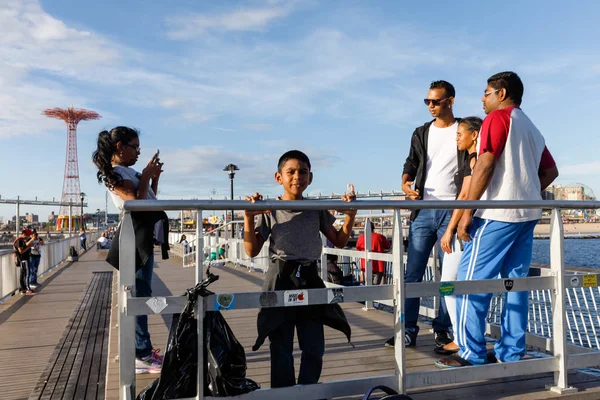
[(147, 365)]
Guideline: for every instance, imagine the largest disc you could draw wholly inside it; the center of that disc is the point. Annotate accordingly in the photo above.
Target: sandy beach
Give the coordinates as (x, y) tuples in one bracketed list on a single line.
[(583, 228)]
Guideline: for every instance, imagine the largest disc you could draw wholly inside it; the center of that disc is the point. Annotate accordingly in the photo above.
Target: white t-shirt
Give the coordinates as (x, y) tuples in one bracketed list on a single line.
[(128, 174), (35, 248), (441, 163), (102, 240)]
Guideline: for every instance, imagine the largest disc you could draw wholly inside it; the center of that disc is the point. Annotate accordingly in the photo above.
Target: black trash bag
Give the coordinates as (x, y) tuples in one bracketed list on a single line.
[(226, 367), (179, 370)]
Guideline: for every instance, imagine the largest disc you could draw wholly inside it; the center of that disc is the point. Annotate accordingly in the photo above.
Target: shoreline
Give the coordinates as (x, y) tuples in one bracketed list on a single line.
[(584, 229)]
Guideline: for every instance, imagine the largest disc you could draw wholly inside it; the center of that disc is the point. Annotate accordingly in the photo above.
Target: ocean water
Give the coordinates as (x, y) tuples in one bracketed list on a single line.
[(578, 252)]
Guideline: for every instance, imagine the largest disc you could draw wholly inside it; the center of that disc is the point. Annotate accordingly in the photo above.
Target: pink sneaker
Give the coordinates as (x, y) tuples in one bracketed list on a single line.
[(157, 356)]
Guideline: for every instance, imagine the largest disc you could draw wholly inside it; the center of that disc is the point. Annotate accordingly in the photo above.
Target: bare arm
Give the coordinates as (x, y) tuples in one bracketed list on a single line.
[(27, 246), (547, 176), (457, 214), (126, 190), (482, 175), (407, 182), (340, 238), (253, 241)]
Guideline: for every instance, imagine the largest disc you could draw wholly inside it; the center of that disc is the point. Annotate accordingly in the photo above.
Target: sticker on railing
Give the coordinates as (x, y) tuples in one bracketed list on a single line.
[(157, 304), (295, 298), (590, 280), (574, 281), (446, 289), (508, 284), (335, 296), (224, 301), (268, 299)]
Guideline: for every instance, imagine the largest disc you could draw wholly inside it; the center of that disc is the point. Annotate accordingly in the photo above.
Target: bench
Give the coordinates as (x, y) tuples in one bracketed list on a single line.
[(77, 367)]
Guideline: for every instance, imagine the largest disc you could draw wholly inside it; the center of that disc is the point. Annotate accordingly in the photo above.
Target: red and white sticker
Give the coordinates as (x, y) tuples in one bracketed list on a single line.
[(293, 298)]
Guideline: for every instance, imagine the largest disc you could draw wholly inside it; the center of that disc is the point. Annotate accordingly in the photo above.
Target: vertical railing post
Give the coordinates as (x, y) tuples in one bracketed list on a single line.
[(70, 219), (436, 276), (126, 323), (18, 219), (199, 248), (200, 305), (557, 266), (324, 259), (398, 275), (368, 263)]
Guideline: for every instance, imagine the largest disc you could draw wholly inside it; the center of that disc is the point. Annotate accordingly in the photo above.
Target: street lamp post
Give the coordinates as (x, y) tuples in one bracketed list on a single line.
[(82, 196), (230, 169), (98, 220)]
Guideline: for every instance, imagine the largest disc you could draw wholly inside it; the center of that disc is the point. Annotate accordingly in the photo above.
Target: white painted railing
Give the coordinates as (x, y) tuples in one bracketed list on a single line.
[(53, 254), (555, 284)]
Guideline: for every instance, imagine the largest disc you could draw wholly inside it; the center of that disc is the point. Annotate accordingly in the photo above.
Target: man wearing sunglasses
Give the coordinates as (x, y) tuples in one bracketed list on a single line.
[(432, 166)]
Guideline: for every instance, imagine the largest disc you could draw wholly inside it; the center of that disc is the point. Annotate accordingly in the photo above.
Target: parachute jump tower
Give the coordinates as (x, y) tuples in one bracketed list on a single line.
[(71, 192)]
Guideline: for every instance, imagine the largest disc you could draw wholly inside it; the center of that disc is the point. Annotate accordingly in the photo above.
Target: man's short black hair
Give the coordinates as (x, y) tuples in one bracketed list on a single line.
[(511, 82), (292, 155), (447, 86)]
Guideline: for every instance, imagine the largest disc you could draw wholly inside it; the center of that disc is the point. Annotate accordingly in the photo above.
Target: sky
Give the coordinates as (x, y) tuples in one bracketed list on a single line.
[(213, 83)]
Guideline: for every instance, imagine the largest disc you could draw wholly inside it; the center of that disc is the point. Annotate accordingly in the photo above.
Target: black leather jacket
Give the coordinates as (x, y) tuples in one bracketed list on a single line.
[(416, 162)]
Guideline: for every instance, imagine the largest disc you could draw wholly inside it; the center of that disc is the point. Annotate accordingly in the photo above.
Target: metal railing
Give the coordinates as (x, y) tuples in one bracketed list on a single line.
[(555, 285), (52, 255)]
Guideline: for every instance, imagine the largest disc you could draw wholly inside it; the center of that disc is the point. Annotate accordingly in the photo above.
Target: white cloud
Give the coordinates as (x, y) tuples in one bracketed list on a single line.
[(249, 19), (34, 41)]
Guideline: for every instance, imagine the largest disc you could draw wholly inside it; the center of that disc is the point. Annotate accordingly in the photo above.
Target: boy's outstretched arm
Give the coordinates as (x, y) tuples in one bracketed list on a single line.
[(340, 238), (253, 241)]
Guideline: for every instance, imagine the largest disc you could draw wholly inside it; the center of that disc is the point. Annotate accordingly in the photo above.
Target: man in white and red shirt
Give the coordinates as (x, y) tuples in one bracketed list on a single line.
[(513, 164)]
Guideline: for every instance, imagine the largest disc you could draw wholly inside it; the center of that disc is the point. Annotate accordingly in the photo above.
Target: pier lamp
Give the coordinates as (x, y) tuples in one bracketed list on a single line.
[(98, 220), (82, 197), (230, 169)]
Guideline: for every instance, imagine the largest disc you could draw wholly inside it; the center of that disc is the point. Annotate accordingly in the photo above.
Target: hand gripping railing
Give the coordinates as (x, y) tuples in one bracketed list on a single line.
[(130, 306)]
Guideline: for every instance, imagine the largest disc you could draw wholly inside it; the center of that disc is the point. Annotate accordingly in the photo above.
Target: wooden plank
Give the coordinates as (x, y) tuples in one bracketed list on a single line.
[(80, 334), (80, 374), (48, 381), (67, 358), (98, 371)]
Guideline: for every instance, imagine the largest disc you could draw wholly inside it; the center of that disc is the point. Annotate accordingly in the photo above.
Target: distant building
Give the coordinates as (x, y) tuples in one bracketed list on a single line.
[(560, 192), (32, 218)]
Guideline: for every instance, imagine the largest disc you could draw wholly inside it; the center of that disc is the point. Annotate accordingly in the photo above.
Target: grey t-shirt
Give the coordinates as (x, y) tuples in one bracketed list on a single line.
[(294, 234)]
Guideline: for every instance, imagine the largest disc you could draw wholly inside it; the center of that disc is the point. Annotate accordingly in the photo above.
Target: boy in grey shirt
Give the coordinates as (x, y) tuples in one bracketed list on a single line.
[(294, 249)]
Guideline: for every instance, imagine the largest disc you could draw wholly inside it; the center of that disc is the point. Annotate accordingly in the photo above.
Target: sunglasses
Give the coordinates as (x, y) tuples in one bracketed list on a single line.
[(486, 94), (435, 102)]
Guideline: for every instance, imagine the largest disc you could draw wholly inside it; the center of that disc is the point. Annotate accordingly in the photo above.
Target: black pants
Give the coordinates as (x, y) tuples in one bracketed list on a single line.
[(24, 277), (311, 339)]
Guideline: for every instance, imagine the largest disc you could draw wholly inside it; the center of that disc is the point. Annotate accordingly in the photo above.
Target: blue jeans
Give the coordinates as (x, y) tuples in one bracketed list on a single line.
[(424, 232), (143, 288), (34, 263), (82, 242)]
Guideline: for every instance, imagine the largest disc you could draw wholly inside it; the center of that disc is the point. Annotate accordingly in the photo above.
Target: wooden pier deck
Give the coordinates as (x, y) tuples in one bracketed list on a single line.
[(31, 326)]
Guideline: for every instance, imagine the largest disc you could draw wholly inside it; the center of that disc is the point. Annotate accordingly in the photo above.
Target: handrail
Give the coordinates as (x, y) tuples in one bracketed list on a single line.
[(170, 205), (52, 255), (401, 380)]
